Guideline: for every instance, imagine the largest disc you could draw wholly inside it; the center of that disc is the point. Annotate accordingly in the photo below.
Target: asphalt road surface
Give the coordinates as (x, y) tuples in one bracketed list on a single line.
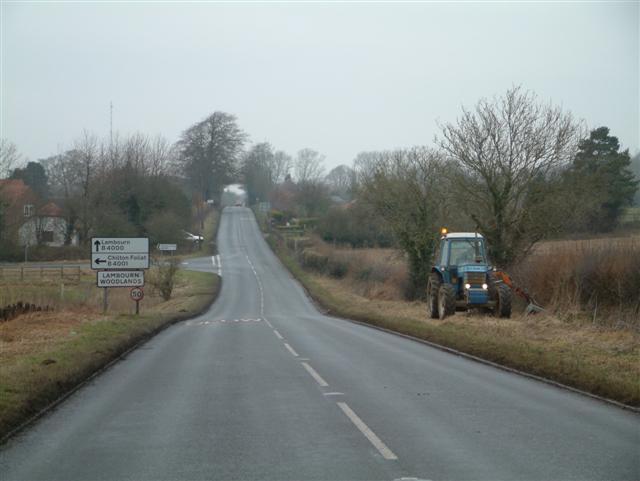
[(264, 387)]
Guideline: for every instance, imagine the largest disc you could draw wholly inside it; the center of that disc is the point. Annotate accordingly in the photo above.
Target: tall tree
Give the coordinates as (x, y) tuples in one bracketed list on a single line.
[(504, 151), (309, 165), (9, 156), (635, 168), (208, 153), (341, 181), (34, 175), (257, 170), (282, 163), (406, 191), (606, 172)]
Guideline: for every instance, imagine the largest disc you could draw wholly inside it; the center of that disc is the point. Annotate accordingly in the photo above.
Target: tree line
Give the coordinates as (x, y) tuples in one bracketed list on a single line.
[(513, 168)]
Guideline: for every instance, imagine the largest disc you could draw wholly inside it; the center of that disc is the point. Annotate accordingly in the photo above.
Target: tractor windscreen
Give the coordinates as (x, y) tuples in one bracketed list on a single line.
[(466, 251)]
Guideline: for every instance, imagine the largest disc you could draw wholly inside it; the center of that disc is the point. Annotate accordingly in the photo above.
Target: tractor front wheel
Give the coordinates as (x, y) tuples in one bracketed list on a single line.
[(433, 287), (503, 306), (446, 301)]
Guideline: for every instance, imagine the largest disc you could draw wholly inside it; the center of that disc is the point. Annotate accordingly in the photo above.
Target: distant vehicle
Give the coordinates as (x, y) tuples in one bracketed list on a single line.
[(192, 237), (461, 278), (239, 204)]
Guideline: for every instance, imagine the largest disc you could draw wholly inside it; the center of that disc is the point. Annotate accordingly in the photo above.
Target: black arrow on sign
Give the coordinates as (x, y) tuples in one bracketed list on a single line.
[(100, 261), (97, 244)]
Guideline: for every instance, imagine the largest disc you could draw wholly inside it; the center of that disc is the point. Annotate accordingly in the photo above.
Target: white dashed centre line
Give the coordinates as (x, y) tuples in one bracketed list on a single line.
[(368, 433), (315, 375), (278, 334), (290, 349)]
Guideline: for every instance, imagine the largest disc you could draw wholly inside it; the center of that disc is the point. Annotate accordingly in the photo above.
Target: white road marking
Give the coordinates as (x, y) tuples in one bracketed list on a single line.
[(333, 393), (278, 334), (290, 349), (315, 375), (260, 288), (368, 433), (268, 323), (219, 262)]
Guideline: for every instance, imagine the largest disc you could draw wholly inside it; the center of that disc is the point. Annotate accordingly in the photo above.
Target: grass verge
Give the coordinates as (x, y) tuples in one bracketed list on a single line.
[(44, 355), (590, 358)]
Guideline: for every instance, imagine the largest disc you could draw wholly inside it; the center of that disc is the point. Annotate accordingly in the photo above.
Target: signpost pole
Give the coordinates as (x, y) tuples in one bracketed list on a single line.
[(137, 307), (104, 301)]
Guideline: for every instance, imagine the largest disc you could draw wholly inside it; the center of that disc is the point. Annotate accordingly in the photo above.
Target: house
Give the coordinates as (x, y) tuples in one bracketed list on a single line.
[(28, 220), (47, 227)]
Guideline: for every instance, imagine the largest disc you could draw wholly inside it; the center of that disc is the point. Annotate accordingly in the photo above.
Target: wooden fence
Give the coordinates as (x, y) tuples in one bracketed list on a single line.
[(25, 273)]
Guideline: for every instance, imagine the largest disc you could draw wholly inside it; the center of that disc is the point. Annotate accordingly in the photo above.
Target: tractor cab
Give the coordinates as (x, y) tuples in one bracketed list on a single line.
[(460, 277)]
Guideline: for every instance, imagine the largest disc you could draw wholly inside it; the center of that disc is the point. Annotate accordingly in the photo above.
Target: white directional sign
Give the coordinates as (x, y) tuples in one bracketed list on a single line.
[(120, 278), (119, 253), (119, 261), (167, 247), (120, 245)]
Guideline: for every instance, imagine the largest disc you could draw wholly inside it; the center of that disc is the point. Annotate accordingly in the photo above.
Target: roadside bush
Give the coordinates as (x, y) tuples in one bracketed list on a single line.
[(10, 252), (162, 277), (314, 261), (337, 268), (600, 277), (354, 225)]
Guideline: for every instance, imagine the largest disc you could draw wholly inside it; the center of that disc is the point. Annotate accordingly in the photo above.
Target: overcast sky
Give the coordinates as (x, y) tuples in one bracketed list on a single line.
[(338, 78)]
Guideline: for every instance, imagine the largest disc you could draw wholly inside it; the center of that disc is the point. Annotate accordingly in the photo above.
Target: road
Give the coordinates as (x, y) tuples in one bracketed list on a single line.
[(264, 387)]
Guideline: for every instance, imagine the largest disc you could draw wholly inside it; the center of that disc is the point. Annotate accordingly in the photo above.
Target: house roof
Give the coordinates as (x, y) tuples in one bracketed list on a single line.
[(12, 189), (50, 210)]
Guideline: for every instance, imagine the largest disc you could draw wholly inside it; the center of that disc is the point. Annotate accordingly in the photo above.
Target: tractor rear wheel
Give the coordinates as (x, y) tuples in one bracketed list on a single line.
[(503, 306), (446, 301), (433, 287)]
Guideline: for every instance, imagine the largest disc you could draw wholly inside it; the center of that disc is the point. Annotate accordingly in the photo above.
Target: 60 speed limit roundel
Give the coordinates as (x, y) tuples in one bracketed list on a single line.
[(137, 294)]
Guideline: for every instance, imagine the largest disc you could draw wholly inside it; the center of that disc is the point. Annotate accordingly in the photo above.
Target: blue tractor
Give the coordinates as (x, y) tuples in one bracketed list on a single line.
[(461, 278)]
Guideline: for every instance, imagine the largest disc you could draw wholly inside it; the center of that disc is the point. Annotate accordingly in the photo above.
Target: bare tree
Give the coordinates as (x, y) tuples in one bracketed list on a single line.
[(506, 152), (341, 181), (308, 166), (281, 165), (87, 149), (9, 157), (208, 153), (161, 156), (136, 152), (404, 188)]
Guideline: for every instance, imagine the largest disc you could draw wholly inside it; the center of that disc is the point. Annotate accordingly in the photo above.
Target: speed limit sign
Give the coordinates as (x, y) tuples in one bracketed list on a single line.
[(137, 294)]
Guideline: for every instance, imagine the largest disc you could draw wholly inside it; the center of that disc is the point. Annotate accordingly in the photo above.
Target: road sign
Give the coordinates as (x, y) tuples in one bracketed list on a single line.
[(119, 253), (167, 247), (120, 278), (119, 261), (119, 245), (137, 294)]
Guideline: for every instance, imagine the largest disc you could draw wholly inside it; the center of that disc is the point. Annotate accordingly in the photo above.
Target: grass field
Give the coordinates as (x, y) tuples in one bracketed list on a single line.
[(44, 354)]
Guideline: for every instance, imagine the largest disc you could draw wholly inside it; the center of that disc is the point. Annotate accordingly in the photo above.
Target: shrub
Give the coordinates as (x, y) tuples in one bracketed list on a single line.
[(314, 261), (601, 277), (337, 268), (162, 278)]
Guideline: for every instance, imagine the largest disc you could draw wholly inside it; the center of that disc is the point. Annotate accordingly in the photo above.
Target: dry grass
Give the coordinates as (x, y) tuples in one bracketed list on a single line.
[(596, 280), (372, 272), (44, 354)]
